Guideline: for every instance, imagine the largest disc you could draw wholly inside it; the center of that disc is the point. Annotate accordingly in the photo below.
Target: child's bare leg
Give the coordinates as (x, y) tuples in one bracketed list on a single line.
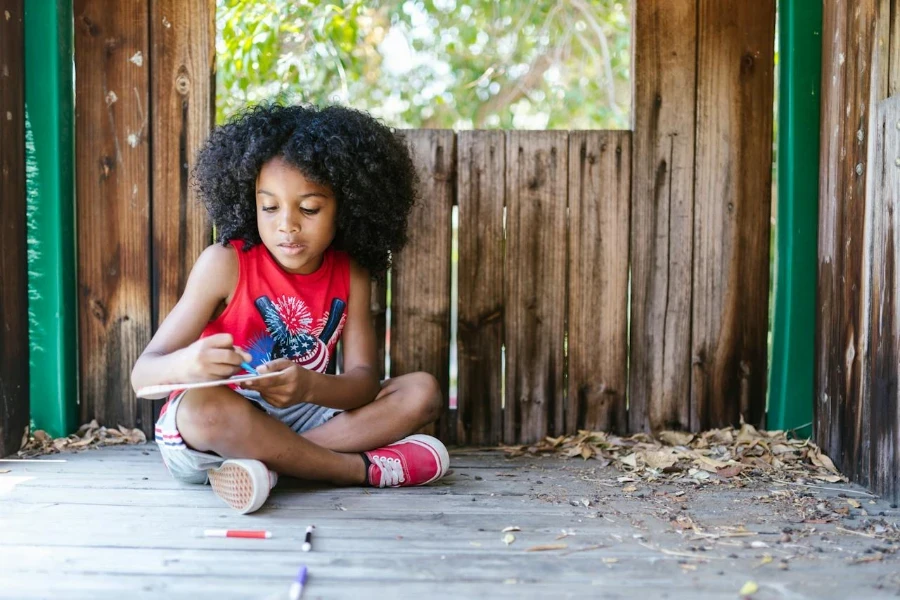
[(404, 405), (222, 421)]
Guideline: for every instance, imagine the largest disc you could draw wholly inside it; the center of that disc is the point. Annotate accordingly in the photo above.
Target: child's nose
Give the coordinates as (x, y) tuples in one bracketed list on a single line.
[(289, 222)]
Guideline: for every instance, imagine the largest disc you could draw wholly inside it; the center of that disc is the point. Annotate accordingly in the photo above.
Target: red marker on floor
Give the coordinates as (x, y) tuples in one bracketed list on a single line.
[(238, 533)]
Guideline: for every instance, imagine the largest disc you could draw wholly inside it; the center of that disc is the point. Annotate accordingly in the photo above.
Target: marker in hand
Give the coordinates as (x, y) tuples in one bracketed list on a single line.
[(246, 366)]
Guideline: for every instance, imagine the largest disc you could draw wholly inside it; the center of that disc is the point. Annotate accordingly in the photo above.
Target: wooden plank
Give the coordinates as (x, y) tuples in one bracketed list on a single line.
[(664, 41), (378, 310), (182, 90), (872, 342), (847, 88), (732, 212), (834, 45), (14, 400), (480, 185), (599, 214), (883, 417), (113, 212), (534, 319), (420, 276)]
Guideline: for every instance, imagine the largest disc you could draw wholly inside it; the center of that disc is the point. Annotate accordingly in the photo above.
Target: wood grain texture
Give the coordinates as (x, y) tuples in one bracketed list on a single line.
[(849, 32), (481, 192), (732, 212), (378, 310), (420, 276), (182, 88), (664, 39), (599, 215), (113, 207), (534, 320), (14, 369), (882, 427), (182, 92)]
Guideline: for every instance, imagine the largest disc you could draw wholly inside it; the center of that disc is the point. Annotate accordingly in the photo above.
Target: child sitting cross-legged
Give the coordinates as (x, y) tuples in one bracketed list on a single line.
[(309, 205)]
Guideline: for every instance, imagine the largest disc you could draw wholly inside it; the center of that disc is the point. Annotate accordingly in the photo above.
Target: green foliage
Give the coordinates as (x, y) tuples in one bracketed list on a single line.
[(433, 63)]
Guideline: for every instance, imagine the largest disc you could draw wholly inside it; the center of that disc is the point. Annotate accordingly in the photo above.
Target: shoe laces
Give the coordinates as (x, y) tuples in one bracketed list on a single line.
[(391, 470)]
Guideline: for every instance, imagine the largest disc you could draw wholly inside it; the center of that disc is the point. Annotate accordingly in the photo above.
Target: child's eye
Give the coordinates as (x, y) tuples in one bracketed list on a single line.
[(269, 208), (309, 211)]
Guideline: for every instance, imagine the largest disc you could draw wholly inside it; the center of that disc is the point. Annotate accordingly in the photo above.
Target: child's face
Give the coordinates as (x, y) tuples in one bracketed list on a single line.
[(296, 217)]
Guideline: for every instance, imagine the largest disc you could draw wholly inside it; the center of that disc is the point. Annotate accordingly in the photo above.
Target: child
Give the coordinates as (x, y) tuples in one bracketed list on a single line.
[(309, 204)]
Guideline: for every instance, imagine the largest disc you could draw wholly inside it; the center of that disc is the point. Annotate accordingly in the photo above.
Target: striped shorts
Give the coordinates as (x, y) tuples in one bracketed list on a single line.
[(189, 466)]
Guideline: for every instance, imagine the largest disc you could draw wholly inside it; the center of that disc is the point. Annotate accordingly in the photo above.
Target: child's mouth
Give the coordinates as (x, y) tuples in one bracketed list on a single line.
[(292, 249)]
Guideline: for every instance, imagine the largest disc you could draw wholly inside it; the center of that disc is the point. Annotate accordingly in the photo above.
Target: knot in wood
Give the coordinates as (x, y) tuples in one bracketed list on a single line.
[(183, 84), (747, 62)]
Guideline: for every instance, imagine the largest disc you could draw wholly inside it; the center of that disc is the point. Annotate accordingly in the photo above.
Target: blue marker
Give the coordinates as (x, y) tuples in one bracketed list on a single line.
[(246, 366), (297, 587)]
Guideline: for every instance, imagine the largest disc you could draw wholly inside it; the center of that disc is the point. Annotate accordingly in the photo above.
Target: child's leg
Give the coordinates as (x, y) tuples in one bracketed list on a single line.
[(404, 405), (222, 421)]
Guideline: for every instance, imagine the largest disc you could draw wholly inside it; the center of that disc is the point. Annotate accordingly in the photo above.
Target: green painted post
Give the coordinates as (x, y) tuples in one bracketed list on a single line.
[(791, 379), (52, 262)]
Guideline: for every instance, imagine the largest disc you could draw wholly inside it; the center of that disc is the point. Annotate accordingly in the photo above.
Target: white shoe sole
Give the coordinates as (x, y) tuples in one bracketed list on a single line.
[(243, 484)]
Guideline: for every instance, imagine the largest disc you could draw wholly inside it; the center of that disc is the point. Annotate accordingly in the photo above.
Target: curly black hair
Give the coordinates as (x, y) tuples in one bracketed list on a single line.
[(366, 164)]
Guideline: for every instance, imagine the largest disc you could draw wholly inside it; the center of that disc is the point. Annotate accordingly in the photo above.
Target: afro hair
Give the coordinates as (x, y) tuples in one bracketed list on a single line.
[(366, 164)]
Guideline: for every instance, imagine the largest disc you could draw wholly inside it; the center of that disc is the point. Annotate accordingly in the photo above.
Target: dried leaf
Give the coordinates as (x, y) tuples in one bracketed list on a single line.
[(629, 489), (659, 459), (676, 438), (509, 539), (630, 460), (730, 471), (854, 503), (749, 588)]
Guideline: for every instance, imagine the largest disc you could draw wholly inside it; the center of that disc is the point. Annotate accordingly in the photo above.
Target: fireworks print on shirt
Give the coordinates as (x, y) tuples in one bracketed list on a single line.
[(288, 321)]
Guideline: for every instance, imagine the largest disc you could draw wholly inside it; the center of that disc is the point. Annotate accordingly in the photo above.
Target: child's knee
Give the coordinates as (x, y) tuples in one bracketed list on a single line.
[(424, 396), (205, 415)]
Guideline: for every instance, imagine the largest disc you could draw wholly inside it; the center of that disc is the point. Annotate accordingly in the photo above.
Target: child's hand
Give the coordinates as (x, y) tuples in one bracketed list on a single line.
[(213, 357), (283, 390)]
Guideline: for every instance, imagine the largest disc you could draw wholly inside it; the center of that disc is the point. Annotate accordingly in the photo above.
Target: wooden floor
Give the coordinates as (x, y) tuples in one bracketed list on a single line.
[(111, 523)]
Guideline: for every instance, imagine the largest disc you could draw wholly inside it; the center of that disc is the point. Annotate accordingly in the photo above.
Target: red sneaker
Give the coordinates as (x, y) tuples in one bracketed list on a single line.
[(414, 460)]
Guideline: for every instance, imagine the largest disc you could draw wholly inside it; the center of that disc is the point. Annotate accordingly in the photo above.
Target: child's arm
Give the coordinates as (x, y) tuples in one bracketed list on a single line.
[(356, 386), (175, 355)]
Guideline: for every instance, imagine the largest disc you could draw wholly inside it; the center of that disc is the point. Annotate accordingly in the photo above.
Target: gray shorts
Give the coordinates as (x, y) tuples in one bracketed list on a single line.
[(190, 466)]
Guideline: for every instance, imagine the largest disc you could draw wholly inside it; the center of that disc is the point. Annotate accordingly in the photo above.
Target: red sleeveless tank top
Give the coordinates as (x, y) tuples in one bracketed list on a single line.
[(276, 314)]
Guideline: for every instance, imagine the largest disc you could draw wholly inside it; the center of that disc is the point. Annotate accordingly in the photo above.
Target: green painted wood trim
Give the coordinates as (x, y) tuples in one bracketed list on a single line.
[(791, 380), (52, 259)]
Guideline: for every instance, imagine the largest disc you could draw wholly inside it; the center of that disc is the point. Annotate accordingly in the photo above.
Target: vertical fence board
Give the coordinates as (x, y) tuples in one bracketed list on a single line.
[(481, 190), (113, 212), (598, 236), (847, 85), (420, 277), (534, 319), (182, 41), (876, 69), (14, 401), (662, 214), (732, 211), (378, 310), (882, 426), (834, 44)]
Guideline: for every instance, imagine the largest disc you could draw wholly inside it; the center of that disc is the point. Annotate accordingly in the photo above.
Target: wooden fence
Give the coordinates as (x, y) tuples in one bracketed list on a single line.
[(857, 417), (13, 270), (624, 275)]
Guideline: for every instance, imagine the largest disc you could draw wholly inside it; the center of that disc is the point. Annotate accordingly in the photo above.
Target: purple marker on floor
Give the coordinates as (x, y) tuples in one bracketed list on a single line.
[(297, 587)]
